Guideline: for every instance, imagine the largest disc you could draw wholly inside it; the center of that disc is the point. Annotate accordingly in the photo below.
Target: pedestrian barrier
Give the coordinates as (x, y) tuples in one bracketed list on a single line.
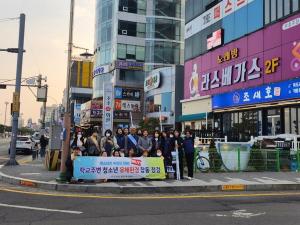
[(52, 159)]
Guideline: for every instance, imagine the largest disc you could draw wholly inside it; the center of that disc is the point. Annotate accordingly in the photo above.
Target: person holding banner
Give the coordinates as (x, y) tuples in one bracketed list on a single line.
[(145, 143), (108, 143), (176, 142), (188, 145)]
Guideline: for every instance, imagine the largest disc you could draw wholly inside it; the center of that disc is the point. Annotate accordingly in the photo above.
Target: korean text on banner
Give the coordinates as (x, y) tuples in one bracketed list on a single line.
[(93, 168), (107, 107)]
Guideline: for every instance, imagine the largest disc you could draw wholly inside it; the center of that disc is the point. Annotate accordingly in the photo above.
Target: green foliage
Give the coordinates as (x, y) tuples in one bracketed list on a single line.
[(150, 124), (256, 158), (25, 131), (214, 158), (4, 128)]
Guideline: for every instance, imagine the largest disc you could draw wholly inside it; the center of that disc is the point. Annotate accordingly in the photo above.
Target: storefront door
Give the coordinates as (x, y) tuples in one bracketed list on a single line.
[(274, 122)]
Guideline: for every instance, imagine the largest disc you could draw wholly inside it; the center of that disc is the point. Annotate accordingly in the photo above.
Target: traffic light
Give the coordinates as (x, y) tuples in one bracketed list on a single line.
[(2, 86)]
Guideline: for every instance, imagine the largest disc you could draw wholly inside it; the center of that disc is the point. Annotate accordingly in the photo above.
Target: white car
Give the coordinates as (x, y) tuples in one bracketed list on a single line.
[(25, 144)]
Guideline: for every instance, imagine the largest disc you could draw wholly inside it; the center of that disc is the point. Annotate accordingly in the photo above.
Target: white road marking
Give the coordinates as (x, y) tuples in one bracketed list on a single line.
[(40, 209), (28, 174), (244, 214)]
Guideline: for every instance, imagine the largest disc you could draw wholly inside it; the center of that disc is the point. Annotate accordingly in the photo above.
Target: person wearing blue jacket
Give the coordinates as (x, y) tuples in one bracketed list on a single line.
[(189, 149)]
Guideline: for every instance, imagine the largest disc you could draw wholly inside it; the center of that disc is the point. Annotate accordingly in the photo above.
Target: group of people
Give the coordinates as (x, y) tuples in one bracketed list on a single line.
[(138, 143)]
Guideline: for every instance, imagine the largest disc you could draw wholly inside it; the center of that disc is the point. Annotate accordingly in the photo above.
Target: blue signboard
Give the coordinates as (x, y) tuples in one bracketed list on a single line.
[(118, 92), (267, 93)]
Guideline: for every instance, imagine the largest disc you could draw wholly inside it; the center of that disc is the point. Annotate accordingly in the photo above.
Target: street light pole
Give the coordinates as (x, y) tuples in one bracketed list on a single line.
[(12, 160), (67, 115)]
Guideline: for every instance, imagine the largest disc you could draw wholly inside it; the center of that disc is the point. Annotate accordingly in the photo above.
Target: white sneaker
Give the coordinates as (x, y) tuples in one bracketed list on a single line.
[(190, 178)]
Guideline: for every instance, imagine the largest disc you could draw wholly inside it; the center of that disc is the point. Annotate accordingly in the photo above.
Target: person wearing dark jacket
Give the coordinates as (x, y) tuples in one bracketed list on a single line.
[(188, 145), (177, 142), (156, 144), (120, 139), (166, 149), (43, 144)]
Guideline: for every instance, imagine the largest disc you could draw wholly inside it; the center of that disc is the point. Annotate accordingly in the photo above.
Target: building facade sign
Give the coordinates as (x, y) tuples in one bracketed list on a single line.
[(263, 94), (267, 56), (215, 40), (126, 105), (216, 13), (125, 93), (152, 81), (101, 70), (129, 65)]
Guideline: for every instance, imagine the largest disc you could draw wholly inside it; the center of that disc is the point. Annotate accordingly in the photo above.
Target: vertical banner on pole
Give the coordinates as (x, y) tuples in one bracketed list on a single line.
[(107, 122), (177, 162)]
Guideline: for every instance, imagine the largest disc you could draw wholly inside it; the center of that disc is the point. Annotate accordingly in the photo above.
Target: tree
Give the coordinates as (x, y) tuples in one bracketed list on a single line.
[(150, 124)]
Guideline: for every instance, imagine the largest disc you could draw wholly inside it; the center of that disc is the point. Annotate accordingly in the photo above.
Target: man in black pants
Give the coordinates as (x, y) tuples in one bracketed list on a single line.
[(188, 145)]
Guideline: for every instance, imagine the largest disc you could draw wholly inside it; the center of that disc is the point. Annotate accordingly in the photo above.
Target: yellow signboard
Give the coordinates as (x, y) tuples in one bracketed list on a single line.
[(16, 102), (233, 187)]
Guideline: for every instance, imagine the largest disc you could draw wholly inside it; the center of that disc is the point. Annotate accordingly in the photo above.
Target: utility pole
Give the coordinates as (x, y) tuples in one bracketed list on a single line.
[(67, 115), (6, 103), (12, 160)]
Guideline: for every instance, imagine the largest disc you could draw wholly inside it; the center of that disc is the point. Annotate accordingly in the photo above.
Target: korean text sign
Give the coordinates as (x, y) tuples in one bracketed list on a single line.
[(267, 93), (107, 106), (93, 168), (266, 56)]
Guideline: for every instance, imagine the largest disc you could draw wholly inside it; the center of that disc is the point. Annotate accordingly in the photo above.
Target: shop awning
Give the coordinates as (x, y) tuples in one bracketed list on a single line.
[(193, 117)]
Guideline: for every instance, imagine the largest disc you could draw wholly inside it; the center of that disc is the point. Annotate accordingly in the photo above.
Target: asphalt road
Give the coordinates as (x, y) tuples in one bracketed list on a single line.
[(4, 145), (19, 208)]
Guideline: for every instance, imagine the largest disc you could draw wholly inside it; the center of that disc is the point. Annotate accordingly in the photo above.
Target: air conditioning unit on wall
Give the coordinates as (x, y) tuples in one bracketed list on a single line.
[(124, 32), (125, 8)]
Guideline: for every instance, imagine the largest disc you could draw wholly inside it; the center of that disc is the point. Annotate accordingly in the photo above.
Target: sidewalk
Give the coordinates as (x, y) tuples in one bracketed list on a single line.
[(34, 174)]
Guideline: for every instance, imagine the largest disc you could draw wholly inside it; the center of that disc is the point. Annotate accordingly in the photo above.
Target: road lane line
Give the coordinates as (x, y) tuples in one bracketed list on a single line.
[(151, 197), (39, 209)]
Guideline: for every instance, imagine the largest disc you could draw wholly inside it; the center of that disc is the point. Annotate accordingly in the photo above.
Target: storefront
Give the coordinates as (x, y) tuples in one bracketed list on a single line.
[(197, 113), (254, 82), (162, 91)]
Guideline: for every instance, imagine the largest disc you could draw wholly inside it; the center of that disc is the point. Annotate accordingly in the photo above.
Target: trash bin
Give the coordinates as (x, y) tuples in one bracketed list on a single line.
[(294, 163)]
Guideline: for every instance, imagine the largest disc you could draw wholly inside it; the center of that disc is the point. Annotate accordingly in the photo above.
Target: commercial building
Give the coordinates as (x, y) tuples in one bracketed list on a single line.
[(164, 55), (81, 84), (120, 55), (163, 90), (243, 55), (132, 39)]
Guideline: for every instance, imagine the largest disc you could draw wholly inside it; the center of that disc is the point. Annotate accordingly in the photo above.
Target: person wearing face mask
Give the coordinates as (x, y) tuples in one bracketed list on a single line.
[(93, 144), (108, 143), (156, 143), (177, 142)]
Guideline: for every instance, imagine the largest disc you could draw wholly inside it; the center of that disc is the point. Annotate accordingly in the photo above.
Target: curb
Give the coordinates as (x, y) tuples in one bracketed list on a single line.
[(145, 189)]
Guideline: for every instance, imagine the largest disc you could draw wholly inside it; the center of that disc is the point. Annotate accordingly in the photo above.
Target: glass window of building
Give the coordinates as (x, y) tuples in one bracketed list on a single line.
[(141, 30), (142, 6), (121, 51), (132, 76), (287, 7), (273, 10), (279, 9), (295, 6), (130, 52), (140, 53), (167, 8), (127, 28), (287, 121), (273, 122)]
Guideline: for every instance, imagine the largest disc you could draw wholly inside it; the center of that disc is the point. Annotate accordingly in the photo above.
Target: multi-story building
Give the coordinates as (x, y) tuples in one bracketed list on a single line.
[(48, 115), (81, 84), (164, 55), (120, 56), (242, 63)]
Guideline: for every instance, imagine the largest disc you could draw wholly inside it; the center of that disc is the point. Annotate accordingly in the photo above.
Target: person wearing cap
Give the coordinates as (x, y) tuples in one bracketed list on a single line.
[(145, 143)]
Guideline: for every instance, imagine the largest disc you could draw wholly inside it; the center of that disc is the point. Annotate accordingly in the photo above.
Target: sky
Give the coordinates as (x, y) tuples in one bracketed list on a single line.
[(46, 43)]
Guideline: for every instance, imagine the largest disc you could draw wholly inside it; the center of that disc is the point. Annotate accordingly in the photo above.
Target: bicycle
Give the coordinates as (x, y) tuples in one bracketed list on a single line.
[(202, 163)]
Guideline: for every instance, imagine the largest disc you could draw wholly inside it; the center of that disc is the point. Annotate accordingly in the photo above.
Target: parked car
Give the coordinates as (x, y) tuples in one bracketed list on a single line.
[(25, 145)]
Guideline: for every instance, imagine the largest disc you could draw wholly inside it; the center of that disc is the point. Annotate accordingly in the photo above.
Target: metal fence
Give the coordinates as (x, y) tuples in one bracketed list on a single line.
[(257, 160)]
